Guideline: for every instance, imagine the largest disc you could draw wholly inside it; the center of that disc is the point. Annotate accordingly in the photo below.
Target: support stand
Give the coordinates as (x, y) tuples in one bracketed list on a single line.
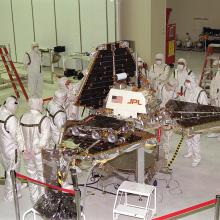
[(217, 207), (77, 192), (15, 194)]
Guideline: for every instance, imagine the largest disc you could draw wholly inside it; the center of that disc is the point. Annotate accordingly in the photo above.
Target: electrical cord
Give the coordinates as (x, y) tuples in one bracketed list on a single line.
[(96, 188), (111, 193), (89, 185), (92, 183), (167, 186), (168, 182)]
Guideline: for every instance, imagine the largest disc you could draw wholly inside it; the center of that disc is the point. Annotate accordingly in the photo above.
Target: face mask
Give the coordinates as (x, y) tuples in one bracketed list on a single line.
[(12, 108), (158, 62), (11, 104), (180, 67), (36, 49), (187, 85)]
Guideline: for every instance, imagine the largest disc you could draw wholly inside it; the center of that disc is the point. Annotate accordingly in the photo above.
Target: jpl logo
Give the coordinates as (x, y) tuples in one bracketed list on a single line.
[(134, 101)]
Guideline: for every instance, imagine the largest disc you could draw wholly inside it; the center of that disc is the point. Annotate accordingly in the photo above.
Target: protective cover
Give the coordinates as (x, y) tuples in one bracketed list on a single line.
[(55, 165), (56, 206)]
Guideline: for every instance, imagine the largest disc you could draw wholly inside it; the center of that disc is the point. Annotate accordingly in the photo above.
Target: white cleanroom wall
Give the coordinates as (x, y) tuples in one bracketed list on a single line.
[(23, 23), (80, 25)]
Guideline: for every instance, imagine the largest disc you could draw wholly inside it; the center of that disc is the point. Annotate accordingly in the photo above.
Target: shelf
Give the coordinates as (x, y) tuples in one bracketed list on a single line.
[(136, 188), (131, 211)]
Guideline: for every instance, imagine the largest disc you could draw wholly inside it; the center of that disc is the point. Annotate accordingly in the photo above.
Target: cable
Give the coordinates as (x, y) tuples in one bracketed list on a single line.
[(96, 188), (111, 193), (171, 190), (87, 179), (89, 184), (168, 182)]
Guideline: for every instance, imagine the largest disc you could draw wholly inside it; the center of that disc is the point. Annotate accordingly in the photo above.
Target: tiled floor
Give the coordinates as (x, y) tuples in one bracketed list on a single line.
[(197, 184)]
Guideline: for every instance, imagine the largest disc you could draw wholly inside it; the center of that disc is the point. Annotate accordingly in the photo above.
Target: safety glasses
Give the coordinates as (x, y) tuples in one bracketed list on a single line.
[(181, 63)]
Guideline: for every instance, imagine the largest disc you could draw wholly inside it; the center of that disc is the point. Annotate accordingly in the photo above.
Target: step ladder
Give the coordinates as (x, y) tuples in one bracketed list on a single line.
[(12, 72), (212, 54), (144, 208)]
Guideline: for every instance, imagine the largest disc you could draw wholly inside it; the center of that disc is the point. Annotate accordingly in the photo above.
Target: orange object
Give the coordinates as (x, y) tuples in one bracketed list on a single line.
[(170, 40), (158, 135), (12, 72)]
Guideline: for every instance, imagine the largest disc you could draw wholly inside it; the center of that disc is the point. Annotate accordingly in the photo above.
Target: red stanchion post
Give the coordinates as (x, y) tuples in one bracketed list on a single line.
[(77, 192), (15, 194), (158, 135), (217, 207)]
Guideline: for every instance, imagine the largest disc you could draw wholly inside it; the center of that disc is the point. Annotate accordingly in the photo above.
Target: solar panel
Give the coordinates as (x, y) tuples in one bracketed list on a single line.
[(189, 114), (109, 59)]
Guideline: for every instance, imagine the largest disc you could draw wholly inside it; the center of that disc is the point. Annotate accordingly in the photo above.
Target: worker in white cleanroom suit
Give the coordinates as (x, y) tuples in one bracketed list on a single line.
[(57, 114), (194, 94), (159, 72), (181, 73), (10, 157), (142, 67), (167, 91), (142, 79), (188, 41), (215, 87), (32, 62), (72, 90), (215, 94), (33, 136)]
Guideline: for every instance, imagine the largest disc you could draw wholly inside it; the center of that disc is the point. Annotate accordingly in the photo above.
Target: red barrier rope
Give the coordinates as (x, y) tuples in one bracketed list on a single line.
[(187, 210), (20, 176)]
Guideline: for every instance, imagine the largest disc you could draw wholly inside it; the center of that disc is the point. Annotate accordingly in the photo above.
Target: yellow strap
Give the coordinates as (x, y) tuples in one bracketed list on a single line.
[(176, 152)]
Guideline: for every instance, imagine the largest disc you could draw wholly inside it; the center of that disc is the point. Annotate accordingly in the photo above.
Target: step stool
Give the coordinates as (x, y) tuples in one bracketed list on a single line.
[(32, 210), (124, 208)]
